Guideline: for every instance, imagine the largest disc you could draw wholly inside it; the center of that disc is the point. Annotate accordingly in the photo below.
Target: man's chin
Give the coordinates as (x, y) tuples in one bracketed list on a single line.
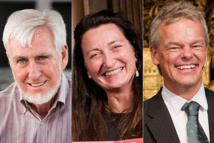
[(39, 98)]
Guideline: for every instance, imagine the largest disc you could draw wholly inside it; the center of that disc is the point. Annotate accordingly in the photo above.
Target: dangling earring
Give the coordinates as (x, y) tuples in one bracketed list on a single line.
[(89, 77), (137, 73)]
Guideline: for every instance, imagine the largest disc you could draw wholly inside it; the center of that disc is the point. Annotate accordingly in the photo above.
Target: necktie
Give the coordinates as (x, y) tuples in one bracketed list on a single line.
[(195, 132)]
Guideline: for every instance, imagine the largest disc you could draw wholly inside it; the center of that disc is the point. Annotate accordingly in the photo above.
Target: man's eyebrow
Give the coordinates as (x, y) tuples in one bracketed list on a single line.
[(178, 43), (39, 55), (198, 41), (173, 43), (18, 57), (44, 54)]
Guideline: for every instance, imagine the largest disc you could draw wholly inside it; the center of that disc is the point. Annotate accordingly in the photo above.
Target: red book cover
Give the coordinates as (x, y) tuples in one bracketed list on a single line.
[(137, 140)]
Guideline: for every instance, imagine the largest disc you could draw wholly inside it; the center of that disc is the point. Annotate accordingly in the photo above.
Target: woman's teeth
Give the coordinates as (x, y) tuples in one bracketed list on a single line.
[(113, 72)]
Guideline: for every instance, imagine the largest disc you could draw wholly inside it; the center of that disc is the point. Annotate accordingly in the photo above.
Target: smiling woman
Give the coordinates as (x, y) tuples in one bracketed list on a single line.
[(111, 64), (107, 79)]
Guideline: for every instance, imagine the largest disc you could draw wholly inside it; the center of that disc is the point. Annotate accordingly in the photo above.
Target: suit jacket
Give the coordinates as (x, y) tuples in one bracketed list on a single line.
[(158, 125)]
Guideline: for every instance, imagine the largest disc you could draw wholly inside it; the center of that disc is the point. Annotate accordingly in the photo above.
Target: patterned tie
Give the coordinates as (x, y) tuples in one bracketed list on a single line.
[(195, 132)]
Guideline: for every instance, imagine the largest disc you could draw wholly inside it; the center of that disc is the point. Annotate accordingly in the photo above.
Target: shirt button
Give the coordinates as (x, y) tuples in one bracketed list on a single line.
[(42, 123)]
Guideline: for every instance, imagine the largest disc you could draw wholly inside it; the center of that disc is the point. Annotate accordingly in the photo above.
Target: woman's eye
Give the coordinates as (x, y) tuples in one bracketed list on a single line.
[(93, 55), (117, 46)]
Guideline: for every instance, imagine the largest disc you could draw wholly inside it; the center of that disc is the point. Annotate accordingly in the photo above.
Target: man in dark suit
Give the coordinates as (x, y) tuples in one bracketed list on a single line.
[(178, 45)]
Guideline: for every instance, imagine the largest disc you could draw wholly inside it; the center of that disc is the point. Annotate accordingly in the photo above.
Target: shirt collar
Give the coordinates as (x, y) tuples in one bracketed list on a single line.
[(63, 92), (200, 98), (176, 102)]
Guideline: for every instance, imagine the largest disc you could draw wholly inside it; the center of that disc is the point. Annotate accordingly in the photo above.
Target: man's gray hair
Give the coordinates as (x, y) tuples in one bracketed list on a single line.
[(22, 24), (173, 12)]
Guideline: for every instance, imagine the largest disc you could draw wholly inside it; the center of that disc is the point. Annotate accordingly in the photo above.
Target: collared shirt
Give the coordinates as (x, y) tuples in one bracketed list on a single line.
[(174, 104), (21, 124)]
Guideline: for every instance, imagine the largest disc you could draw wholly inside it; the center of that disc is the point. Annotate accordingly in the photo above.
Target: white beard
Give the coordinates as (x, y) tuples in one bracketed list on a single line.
[(41, 99)]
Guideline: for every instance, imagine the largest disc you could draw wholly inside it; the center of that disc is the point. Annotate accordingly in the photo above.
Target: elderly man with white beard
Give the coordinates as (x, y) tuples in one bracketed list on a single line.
[(37, 106)]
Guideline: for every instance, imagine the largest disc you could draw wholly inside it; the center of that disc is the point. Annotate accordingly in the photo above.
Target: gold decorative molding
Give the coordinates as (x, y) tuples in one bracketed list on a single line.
[(152, 80)]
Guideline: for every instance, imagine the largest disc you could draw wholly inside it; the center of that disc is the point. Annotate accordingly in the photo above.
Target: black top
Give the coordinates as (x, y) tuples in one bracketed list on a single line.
[(112, 122)]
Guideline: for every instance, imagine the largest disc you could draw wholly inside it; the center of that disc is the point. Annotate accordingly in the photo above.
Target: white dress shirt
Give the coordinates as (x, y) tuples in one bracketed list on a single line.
[(174, 104)]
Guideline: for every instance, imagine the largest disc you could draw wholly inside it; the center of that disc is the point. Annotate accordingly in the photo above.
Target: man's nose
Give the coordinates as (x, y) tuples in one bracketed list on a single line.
[(187, 53), (34, 71)]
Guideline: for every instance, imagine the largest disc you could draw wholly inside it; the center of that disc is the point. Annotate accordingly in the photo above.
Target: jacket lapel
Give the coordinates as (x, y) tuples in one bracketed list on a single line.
[(159, 122), (210, 100)]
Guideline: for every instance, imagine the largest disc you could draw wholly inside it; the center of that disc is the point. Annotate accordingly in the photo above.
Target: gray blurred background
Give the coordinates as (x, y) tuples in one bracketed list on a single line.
[(9, 6)]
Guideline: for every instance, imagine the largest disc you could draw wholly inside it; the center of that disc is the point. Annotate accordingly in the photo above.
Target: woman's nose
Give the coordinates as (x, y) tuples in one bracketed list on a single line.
[(108, 60)]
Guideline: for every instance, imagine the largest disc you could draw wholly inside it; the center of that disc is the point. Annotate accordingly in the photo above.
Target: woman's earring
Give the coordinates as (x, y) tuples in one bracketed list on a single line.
[(137, 73), (89, 77)]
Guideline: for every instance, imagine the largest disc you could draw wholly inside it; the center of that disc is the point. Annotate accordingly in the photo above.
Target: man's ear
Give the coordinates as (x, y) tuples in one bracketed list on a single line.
[(7, 55), (154, 55), (207, 48), (64, 55)]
